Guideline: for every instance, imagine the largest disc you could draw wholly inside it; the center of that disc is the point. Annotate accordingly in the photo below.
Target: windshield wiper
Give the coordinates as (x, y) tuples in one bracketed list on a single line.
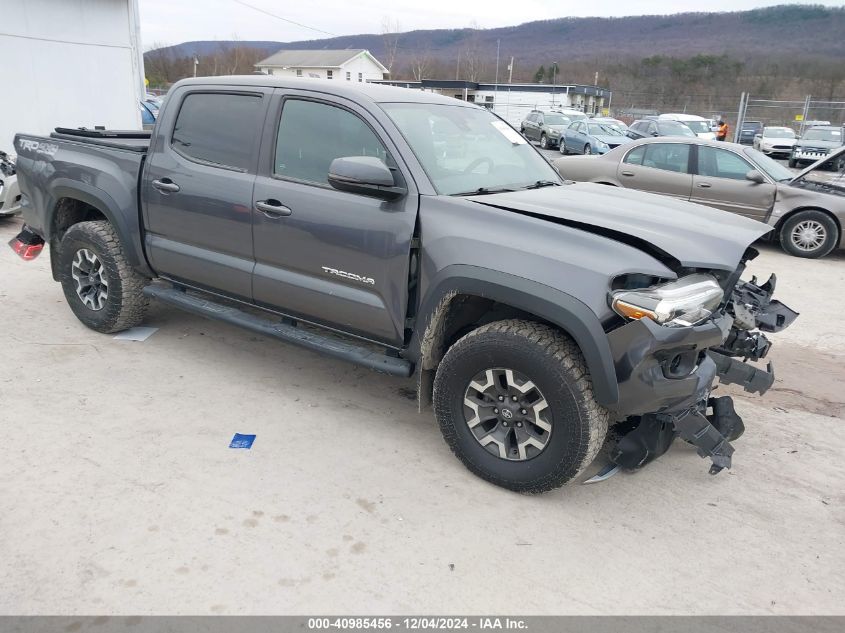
[(542, 183), (482, 191)]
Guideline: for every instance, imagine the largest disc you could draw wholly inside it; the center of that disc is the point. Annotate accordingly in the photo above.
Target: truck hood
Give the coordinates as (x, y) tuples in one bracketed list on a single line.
[(674, 231)]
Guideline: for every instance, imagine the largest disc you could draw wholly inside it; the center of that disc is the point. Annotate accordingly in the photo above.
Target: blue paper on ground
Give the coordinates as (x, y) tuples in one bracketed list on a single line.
[(242, 441)]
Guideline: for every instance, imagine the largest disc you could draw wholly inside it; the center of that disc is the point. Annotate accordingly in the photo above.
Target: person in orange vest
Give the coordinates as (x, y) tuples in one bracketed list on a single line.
[(722, 133)]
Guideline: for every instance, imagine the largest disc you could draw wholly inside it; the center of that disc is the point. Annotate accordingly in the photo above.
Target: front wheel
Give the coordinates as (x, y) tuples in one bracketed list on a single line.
[(793, 163), (101, 288), (810, 234), (544, 141), (515, 403)]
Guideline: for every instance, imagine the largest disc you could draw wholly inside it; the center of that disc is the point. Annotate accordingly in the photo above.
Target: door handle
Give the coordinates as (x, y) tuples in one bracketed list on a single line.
[(165, 185), (627, 173), (272, 209), (704, 185)]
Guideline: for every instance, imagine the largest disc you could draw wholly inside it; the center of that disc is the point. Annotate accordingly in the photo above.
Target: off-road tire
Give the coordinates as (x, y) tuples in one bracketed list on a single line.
[(553, 361), (830, 242), (125, 304)]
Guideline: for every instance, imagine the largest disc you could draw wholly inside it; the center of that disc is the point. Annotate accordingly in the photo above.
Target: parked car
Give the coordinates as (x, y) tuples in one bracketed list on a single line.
[(611, 121), (569, 113), (505, 290), (148, 118), (10, 195), (586, 137), (748, 131), (153, 105), (817, 143), (703, 128), (647, 128), (775, 141), (805, 210), (545, 127)]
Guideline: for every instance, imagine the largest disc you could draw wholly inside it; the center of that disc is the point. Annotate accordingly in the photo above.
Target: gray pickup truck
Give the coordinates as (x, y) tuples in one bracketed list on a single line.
[(551, 322)]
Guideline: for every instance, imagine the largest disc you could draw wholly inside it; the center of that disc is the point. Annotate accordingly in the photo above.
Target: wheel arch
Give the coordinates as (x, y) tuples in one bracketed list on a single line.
[(462, 296), (73, 202)]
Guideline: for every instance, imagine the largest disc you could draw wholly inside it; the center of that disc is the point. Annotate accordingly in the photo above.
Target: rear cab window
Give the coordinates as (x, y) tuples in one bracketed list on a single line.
[(218, 129)]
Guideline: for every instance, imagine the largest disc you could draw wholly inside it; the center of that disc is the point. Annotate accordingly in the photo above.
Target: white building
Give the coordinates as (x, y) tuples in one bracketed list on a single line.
[(344, 65), (513, 102), (69, 63)]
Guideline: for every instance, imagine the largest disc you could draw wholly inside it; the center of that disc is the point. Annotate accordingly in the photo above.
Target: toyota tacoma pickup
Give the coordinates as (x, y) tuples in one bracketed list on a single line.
[(548, 322)]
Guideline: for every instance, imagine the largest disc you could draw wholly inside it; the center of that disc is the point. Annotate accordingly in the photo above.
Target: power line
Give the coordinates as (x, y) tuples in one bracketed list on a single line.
[(278, 17)]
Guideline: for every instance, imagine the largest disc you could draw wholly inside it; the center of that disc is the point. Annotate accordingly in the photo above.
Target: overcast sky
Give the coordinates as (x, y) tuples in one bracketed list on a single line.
[(175, 21)]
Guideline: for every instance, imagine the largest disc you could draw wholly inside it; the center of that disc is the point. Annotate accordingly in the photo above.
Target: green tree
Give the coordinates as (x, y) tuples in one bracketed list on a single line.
[(538, 76)]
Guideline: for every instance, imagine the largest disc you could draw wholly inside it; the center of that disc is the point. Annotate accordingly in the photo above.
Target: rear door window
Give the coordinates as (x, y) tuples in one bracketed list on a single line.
[(720, 163), (667, 156), (636, 155), (218, 129)]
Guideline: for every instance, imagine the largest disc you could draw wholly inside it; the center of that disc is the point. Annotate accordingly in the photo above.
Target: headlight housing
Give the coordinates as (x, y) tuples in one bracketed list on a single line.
[(602, 145), (682, 303)]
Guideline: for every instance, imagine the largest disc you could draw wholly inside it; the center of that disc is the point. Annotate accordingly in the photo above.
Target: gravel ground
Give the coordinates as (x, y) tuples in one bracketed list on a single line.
[(118, 494)]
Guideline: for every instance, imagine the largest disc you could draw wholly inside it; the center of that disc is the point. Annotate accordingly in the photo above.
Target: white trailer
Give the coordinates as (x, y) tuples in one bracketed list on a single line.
[(69, 63)]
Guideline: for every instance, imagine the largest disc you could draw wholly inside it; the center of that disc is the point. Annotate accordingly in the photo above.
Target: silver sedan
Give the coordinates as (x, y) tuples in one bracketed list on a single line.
[(807, 210)]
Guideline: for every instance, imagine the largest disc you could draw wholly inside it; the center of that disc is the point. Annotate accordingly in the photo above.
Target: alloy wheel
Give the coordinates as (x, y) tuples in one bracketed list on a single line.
[(92, 287), (507, 414), (808, 235)]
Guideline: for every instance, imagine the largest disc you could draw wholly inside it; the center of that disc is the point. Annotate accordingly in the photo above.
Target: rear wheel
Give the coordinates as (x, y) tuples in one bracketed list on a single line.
[(101, 288), (588, 150), (809, 234), (515, 403)]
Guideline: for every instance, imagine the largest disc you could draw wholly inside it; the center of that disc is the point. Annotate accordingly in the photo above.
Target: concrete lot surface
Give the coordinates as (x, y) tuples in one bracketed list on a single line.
[(119, 494)]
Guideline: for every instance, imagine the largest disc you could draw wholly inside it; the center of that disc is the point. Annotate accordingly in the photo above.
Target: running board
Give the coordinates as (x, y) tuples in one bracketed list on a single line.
[(283, 331)]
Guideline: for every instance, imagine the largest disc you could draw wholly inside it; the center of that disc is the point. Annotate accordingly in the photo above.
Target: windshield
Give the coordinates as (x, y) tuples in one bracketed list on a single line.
[(556, 119), (465, 149), (699, 127), (775, 170), (673, 128), (778, 132), (603, 129), (821, 134)]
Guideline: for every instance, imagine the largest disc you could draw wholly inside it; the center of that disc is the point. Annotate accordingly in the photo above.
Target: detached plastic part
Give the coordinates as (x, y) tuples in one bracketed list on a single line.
[(27, 244)]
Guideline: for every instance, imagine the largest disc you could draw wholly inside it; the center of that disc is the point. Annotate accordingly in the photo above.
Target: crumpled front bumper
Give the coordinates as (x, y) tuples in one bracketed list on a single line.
[(666, 375), (664, 369)]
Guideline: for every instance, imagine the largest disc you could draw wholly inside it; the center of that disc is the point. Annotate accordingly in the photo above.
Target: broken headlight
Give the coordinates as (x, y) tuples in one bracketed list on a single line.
[(687, 301)]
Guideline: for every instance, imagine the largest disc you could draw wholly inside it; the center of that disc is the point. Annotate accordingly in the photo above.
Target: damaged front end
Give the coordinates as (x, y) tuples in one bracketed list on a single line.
[(677, 342)]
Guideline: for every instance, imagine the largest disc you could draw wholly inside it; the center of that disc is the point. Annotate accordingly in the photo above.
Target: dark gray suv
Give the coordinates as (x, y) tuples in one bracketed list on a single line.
[(545, 127)]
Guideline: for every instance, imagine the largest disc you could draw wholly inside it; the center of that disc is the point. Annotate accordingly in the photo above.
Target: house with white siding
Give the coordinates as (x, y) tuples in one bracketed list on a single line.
[(343, 65)]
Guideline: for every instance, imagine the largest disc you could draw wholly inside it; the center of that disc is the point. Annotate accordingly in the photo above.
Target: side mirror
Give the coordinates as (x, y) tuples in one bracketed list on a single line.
[(755, 177), (655, 134), (366, 175)]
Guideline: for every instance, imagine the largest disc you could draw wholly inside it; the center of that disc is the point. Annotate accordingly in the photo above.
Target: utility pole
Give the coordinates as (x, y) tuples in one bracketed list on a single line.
[(196, 63), (596, 81), (496, 85), (510, 70), (554, 70)]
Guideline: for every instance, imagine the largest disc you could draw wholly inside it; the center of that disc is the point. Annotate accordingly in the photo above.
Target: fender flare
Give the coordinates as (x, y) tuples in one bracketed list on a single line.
[(563, 310), (130, 236)]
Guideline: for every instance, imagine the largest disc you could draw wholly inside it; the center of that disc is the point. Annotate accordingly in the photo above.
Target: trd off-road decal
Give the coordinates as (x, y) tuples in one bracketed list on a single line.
[(39, 147), (352, 276)]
